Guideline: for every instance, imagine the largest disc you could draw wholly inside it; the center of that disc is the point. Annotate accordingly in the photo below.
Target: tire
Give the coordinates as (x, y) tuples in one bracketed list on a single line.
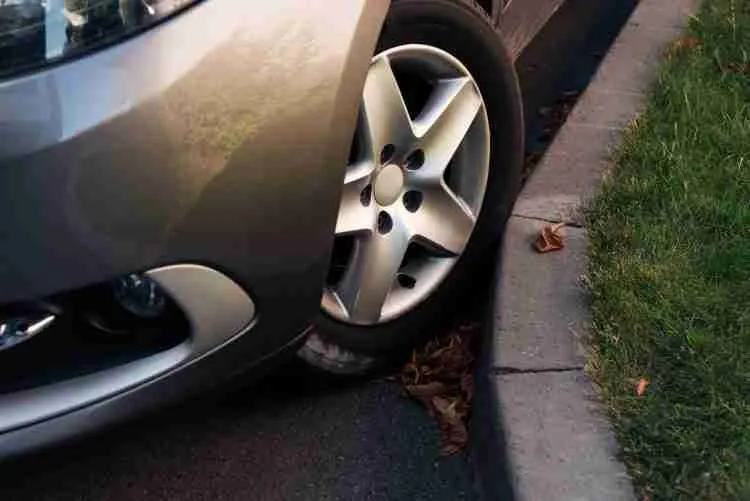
[(462, 29)]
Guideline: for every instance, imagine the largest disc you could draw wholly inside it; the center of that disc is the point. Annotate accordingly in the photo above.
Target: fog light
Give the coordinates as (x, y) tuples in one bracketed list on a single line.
[(140, 296), (16, 330)]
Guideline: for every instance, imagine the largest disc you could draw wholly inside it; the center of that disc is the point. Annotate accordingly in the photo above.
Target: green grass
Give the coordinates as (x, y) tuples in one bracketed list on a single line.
[(670, 271)]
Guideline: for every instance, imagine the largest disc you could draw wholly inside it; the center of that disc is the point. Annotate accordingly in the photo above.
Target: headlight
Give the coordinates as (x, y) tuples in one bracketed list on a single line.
[(37, 32)]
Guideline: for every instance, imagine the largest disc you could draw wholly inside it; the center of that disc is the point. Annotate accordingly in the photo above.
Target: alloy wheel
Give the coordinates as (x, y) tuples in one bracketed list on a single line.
[(413, 188)]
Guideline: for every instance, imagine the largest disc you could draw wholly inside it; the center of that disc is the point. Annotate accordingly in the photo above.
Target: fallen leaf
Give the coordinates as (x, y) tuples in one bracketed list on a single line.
[(439, 376), (451, 425), (439, 353), (641, 388), (682, 45), (426, 392), (467, 386), (743, 68), (550, 238)]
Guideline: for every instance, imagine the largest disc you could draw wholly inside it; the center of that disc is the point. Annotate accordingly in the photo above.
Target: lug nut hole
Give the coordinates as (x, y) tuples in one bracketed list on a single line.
[(387, 153), (406, 281), (415, 160), (412, 200), (366, 196), (385, 223)]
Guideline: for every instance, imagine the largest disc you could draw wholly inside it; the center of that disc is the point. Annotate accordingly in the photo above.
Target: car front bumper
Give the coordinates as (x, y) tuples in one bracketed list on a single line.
[(217, 139)]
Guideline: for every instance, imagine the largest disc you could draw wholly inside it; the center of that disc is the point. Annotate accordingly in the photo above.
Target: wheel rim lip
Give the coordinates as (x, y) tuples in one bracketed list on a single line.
[(431, 271)]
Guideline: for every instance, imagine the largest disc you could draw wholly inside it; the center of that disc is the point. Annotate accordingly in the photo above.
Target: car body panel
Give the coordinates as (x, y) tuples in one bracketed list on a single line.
[(175, 147), (520, 20), (125, 160)]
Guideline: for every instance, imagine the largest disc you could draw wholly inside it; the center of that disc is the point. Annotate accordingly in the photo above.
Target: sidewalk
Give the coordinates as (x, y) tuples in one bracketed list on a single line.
[(557, 442)]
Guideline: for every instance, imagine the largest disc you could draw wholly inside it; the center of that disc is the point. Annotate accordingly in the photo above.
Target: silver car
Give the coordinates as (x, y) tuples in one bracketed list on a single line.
[(189, 189)]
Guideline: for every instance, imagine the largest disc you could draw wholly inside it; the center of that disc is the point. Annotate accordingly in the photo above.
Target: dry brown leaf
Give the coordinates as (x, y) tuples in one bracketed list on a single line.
[(641, 388), (439, 353), (451, 425), (467, 386), (410, 372), (550, 238), (425, 392), (682, 45), (440, 377), (743, 68)]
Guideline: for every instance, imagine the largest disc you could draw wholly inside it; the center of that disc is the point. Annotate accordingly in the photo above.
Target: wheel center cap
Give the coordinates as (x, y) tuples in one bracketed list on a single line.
[(388, 184)]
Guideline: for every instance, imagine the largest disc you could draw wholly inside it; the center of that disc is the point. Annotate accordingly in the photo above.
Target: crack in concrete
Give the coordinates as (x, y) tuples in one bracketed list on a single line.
[(503, 371), (570, 224)]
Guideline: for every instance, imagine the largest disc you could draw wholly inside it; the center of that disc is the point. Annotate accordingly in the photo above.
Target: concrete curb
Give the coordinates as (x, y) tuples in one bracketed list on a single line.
[(557, 443)]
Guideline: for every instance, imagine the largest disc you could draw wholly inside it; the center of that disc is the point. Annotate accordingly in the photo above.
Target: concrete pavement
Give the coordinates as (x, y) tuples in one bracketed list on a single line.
[(558, 443)]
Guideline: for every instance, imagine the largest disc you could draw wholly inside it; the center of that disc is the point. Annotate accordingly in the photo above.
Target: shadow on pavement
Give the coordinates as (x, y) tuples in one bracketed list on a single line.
[(295, 435)]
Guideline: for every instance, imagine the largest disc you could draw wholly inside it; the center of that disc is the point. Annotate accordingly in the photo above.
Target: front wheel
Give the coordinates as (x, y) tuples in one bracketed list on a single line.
[(433, 172)]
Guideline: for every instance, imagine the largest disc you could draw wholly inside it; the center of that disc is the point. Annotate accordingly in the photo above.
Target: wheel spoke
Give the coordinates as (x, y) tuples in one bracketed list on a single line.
[(444, 122), (444, 222), (386, 118), (371, 274), (354, 215)]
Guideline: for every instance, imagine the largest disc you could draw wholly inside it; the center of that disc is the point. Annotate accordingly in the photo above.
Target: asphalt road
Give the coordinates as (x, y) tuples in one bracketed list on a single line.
[(299, 435)]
